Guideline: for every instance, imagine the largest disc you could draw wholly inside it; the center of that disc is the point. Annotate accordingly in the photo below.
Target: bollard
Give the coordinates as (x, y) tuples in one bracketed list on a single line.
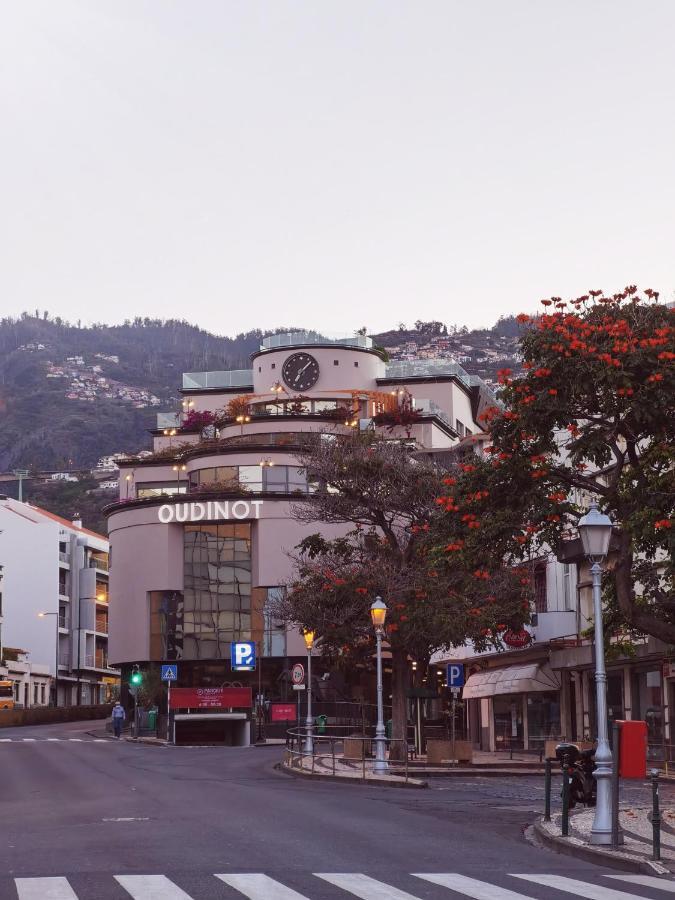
[(547, 791), (656, 815), (565, 800)]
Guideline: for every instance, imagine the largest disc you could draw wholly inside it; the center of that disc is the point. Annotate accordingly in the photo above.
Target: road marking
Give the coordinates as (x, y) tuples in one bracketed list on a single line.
[(100, 740), (53, 739), (580, 888), (260, 887), (659, 884), (128, 819), (5, 740), (151, 887), (44, 889), (27, 739), (365, 887), (471, 887), (79, 740)]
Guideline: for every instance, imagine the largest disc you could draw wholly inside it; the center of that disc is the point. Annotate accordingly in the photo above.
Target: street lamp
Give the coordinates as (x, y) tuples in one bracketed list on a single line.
[(595, 529), (378, 614), (241, 421), (43, 615), (309, 729)]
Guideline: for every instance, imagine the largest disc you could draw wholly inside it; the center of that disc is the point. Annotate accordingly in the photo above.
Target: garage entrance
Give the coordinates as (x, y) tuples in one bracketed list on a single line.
[(222, 729)]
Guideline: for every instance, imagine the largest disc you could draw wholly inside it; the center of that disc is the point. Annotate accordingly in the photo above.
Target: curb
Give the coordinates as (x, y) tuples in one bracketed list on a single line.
[(414, 784), (574, 847), (476, 773)]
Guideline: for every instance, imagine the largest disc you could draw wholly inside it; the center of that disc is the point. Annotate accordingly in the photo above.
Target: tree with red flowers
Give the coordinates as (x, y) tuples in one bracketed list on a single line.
[(592, 416), (387, 501)]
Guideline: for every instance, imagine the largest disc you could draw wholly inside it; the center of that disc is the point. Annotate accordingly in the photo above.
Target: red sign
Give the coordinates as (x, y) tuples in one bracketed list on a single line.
[(283, 712), (211, 698), (516, 638)]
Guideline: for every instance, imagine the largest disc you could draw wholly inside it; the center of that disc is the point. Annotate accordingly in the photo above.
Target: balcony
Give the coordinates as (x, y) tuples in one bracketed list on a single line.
[(64, 557), (65, 660), (102, 624), (101, 564)]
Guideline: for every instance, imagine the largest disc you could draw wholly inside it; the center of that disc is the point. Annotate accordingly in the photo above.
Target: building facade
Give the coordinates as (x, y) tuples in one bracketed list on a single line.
[(203, 527), (58, 569)]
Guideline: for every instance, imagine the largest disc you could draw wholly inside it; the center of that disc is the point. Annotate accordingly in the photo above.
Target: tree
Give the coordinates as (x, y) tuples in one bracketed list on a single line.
[(592, 415), (389, 500)]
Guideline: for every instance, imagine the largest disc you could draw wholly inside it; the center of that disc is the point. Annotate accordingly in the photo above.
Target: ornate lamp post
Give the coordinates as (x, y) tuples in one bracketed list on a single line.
[(595, 529), (378, 614), (309, 723)]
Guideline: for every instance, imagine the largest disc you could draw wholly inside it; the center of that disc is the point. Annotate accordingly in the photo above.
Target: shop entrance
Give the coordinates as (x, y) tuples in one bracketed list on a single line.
[(223, 729)]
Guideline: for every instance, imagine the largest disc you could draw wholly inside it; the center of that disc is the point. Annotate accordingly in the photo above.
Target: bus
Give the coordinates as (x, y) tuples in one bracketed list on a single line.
[(6, 695)]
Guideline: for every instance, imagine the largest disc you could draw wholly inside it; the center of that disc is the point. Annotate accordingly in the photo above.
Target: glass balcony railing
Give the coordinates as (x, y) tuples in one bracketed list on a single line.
[(227, 379), (97, 563)]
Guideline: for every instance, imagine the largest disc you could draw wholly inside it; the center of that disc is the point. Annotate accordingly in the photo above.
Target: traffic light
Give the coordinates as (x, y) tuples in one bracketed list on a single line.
[(136, 677)]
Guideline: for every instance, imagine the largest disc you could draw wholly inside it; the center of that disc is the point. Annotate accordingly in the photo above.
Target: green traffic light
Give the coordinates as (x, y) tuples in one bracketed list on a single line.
[(136, 677)]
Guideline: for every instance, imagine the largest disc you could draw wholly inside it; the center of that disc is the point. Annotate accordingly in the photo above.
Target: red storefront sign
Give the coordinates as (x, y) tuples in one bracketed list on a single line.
[(516, 638), (211, 698), (283, 712)]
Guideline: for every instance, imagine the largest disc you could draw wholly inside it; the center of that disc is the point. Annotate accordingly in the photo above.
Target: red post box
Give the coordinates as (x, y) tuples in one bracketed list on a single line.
[(633, 749)]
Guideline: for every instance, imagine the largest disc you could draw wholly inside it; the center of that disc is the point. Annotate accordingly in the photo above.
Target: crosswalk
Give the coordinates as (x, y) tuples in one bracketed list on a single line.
[(259, 886)]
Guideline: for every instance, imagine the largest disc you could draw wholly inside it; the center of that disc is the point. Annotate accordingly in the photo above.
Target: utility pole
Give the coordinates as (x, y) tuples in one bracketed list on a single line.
[(21, 474)]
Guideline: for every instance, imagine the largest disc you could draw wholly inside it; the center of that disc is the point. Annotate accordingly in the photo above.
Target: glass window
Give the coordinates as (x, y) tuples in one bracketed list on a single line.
[(275, 479), (297, 480), (274, 634), (648, 706), (250, 477), (540, 602), (158, 488), (543, 717)]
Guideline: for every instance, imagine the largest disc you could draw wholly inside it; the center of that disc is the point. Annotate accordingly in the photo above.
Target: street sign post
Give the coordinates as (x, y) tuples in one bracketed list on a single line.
[(242, 656), (298, 674), (455, 682), (169, 674)]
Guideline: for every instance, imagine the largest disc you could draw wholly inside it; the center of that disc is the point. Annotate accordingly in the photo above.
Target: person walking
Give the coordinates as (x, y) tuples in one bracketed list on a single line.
[(118, 717)]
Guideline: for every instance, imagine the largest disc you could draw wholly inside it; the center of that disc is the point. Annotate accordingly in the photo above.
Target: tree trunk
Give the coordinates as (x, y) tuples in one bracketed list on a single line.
[(400, 676)]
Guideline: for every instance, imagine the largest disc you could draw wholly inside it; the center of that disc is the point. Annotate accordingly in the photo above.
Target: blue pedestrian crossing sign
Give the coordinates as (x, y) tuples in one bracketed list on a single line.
[(169, 673), (242, 656), (455, 675)]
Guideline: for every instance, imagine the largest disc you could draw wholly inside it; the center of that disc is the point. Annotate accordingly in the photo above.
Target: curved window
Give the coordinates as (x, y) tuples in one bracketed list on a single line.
[(256, 479)]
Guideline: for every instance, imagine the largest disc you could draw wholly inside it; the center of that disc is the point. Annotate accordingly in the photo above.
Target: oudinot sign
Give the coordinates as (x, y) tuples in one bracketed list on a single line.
[(210, 511)]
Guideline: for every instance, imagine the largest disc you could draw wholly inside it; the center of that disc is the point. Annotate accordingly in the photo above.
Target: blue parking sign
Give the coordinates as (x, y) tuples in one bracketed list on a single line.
[(242, 656), (169, 673), (455, 675)]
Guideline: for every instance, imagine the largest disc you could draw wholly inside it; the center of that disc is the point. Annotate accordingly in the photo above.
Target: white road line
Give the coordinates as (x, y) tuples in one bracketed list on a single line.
[(100, 741), (44, 889), (364, 887), (151, 887), (580, 888), (472, 887), (260, 887), (27, 739), (79, 740), (659, 884), (5, 740), (53, 739)]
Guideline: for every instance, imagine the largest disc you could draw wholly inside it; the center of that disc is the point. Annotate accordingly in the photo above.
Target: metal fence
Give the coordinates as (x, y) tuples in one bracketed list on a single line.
[(340, 751)]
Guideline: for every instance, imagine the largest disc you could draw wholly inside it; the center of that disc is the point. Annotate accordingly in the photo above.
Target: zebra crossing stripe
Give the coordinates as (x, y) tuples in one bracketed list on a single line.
[(580, 888), (151, 887), (364, 887), (260, 887), (472, 887), (658, 884), (44, 889)]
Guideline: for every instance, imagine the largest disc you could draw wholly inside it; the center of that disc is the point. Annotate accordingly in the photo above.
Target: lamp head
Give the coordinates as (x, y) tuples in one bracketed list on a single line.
[(378, 613), (309, 639), (595, 529)]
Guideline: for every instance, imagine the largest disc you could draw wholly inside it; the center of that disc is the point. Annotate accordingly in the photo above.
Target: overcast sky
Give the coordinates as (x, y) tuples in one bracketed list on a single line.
[(332, 164)]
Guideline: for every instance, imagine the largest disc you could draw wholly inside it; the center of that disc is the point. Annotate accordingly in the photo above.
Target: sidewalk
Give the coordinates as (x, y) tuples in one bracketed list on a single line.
[(635, 854), (329, 768)]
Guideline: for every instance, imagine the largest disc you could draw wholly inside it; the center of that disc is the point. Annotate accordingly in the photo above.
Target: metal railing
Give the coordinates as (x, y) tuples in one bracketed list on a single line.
[(337, 751)]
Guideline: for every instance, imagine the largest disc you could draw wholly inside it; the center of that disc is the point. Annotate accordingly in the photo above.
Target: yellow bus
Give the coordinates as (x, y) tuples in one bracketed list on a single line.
[(6, 695)]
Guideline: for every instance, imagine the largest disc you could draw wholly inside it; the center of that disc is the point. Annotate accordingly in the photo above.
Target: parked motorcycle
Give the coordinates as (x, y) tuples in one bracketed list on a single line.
[(580, 765)]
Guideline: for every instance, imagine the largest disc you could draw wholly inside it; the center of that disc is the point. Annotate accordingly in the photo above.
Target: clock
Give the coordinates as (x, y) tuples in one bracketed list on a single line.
[(300, 371)]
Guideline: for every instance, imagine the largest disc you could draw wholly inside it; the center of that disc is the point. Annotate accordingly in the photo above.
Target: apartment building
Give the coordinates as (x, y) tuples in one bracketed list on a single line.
[(54, 606)]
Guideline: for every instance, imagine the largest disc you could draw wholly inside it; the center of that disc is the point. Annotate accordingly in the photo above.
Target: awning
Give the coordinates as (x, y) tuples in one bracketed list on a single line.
[(525, 679)]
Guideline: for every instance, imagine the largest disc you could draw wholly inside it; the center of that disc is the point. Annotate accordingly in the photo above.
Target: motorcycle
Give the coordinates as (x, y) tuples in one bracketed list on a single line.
[(580, 765)]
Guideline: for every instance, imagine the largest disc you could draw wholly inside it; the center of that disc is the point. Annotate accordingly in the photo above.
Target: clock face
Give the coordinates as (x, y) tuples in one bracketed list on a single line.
[(300, 371)]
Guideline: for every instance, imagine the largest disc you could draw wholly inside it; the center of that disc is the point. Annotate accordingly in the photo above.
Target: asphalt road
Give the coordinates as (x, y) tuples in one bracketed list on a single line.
[(86, 811)]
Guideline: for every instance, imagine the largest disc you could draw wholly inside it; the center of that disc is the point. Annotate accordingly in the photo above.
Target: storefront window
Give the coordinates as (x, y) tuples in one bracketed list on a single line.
[(270, 479), (274, 635), (648, 706), (543, 717), (508, 716)]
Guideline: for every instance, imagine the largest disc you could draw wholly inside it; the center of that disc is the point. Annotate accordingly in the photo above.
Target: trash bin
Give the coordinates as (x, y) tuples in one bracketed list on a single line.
[(321, 722), (152, 719)]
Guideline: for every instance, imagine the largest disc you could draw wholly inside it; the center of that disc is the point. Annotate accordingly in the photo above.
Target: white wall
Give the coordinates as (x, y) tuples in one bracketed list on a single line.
[(29, 552)]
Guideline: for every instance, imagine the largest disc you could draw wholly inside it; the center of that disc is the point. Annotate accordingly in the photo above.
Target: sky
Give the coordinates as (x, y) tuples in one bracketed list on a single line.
[(332, 163)]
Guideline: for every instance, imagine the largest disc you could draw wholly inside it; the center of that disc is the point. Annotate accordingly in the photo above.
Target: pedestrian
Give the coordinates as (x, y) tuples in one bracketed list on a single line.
[(118, 717)]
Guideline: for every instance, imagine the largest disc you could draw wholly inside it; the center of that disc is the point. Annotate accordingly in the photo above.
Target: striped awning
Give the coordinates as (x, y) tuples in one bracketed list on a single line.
[(525, 679)]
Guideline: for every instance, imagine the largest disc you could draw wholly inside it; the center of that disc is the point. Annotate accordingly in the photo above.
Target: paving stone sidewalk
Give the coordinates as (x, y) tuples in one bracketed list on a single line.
[(635, 853)]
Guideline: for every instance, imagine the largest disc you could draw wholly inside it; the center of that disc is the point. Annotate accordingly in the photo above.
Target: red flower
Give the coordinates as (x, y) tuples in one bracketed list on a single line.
[(552, 391), (663, 524), (657, 377), (361, 590), (522, 318)]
